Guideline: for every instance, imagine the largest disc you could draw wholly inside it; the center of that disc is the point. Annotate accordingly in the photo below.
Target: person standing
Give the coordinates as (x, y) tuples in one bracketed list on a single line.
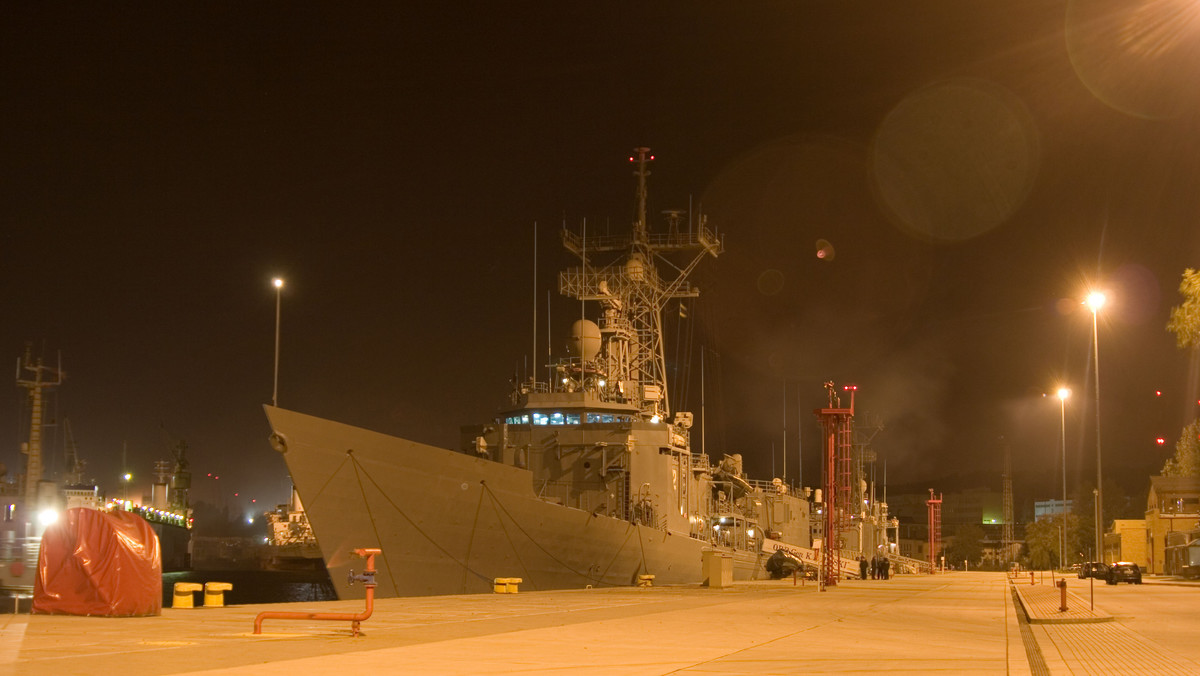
[(862, 566)]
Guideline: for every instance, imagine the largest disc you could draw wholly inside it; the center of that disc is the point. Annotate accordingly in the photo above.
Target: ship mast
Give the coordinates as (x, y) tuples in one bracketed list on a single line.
[(43, 377), (632, 294)]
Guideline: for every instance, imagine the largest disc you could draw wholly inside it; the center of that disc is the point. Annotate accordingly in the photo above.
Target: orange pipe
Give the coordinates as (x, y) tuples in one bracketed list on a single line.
[(353, 618)]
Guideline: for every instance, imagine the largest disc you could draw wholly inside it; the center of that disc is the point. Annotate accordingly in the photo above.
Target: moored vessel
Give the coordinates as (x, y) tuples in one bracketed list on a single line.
[(586, 478)]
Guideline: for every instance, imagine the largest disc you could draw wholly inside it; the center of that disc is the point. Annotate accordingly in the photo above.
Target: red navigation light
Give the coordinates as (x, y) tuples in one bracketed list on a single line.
[(1158, 393), (235, 495), (651, 157), (630, 159), (850, 387), (253, 500), (210, 473), (1160, 441)]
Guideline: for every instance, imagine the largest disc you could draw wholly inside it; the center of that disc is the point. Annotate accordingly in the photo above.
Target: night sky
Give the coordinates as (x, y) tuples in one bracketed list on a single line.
[(975, 166)]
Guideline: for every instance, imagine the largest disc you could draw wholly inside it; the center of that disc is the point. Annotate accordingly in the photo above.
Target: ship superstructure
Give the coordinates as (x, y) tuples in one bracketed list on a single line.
[(586, 478)]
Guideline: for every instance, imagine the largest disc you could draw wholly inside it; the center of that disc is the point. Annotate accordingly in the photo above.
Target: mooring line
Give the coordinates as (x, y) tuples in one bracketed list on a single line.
[(535, 543), (371, 517), (412, 523), (511, 544)]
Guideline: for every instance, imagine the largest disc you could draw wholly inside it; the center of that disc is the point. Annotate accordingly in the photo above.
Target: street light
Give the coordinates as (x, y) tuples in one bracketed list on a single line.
[(278, 282), (1095, 301), (1063, 393)]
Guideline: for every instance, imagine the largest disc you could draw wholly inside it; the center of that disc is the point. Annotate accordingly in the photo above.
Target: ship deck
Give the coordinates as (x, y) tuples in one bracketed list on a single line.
[(950, 623)]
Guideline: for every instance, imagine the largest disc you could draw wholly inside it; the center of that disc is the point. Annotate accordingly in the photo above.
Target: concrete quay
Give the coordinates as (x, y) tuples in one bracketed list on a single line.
[(958, 622)]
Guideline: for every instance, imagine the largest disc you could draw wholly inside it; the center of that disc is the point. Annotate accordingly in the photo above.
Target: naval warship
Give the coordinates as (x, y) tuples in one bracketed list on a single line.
[(585, 479)]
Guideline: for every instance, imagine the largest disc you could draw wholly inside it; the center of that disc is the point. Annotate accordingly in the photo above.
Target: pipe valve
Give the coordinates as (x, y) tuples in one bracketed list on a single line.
[(367, 578)]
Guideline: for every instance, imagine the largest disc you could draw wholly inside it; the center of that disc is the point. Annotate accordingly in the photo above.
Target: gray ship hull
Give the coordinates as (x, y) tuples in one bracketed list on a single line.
[(449, 523)]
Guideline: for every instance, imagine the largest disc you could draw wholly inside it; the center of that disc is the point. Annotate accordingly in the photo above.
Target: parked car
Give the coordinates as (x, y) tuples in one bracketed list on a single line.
[(1124, 571), (1094, 569)]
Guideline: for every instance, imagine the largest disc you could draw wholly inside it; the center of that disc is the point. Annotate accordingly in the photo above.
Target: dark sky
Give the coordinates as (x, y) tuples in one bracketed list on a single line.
[(973, 164)]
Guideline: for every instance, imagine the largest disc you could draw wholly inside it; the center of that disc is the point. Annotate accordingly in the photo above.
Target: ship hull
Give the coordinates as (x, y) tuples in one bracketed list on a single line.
[(450, 523)]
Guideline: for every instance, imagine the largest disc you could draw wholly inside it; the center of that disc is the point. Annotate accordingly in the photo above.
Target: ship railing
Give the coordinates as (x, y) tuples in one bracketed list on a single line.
[(697, 236), (908, 564)]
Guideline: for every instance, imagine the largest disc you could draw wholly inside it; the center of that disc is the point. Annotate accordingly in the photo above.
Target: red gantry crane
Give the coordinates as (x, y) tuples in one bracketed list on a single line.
[(837, 423), (935, 527)]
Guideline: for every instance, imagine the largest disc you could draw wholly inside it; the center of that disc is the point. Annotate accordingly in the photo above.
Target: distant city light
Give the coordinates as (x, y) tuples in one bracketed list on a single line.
[(127, 476)]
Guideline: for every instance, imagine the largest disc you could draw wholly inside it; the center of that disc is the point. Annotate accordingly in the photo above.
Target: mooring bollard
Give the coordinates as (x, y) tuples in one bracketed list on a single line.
[(214, 594), (1032, 579), (183, 597), (1062, 586)]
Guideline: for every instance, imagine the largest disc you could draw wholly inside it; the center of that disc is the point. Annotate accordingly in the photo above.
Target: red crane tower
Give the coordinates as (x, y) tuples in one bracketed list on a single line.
[(837, 423), (935, 527)]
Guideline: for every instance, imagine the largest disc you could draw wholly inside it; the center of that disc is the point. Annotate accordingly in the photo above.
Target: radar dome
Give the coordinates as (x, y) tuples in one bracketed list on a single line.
[(585, 339)]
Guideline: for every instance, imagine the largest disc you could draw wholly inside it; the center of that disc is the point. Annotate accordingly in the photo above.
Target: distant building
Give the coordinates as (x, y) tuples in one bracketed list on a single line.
[(1127, 542), (1173, 506), (1051, 508)]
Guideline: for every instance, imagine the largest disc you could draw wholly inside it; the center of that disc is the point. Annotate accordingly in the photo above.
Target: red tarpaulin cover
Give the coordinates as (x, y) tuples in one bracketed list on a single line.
[(99, 563)]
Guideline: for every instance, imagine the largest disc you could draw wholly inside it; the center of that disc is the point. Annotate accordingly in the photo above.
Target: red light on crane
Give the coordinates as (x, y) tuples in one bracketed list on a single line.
[(1158, 393), (1160, 441)]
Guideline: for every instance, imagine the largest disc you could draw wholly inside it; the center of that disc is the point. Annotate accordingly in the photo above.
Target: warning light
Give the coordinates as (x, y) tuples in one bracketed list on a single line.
[(850, 387), (1158, 393), (1160, 441)]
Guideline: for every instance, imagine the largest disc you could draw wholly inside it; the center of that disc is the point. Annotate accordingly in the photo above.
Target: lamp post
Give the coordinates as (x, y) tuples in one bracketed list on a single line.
[(278, 282), (1063, 393), (1095, 301)]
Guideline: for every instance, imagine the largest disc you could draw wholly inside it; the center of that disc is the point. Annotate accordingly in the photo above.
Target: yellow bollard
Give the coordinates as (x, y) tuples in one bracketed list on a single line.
[(500, 585), (183, 594), (214, 594), (645, 581), (512, 585)]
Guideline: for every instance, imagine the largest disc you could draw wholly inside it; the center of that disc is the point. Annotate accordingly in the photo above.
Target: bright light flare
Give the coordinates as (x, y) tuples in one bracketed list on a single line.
[(1063, 393), (1095, 300), (278, 282), (47, 517)]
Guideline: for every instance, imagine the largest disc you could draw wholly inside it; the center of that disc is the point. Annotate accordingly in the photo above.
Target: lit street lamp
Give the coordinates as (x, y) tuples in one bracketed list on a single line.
[(278, 282), (1063, 393), (1095, 301)]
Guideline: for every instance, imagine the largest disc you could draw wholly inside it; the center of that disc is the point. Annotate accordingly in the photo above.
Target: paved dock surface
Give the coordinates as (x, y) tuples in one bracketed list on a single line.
[(949, 623)]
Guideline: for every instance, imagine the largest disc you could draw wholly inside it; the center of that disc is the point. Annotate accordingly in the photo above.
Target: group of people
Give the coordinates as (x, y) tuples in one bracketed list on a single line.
[(879, 567)]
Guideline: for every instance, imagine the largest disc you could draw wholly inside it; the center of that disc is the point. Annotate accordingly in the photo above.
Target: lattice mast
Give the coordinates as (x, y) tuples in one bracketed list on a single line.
[(838, 426), (40, 378), (935, 527), (632, 294)]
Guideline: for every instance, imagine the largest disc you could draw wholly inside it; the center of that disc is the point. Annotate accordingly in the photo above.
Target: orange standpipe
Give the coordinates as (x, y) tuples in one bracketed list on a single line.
[(368, 580)]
